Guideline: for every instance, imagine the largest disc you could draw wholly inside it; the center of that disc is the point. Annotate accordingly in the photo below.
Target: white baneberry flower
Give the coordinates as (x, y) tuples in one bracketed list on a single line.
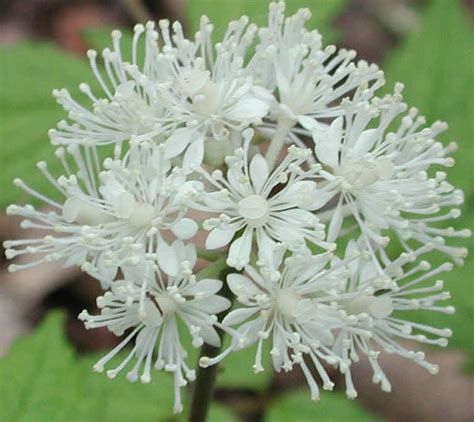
[(381, 313), (383, 177), (212, 94), (183, 93), (108, 217), (146, 306), (274, 207), (308, 80), (122, 110), (296, 313)]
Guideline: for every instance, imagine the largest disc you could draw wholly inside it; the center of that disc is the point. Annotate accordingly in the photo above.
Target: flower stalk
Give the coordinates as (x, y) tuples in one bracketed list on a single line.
[(204, 386), (284, 126)]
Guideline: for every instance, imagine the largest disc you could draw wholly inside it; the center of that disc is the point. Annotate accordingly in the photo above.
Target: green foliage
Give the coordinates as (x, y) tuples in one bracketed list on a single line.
[(323, 14), (42, 379), (333, 407), (437, 67), (29, 72)]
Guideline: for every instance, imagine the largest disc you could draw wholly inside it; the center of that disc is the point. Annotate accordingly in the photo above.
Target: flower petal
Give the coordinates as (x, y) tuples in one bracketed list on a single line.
[(194, 154), (178, 141), (207, 286), (241, 285), (327, 150), (167, 259), (239, 315), (239, 251), (258, 172), (185, 228), (219, 237)]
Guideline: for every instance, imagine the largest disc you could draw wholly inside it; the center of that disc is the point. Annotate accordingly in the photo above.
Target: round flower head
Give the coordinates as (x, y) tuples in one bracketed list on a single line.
[(223, 129), (252, 200), (297, 312), (108, 217), (380, 312), (383, 178), (146, 305)]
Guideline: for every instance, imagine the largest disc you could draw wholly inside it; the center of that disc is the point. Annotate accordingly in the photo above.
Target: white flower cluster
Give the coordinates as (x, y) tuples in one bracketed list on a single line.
[(282, 151)]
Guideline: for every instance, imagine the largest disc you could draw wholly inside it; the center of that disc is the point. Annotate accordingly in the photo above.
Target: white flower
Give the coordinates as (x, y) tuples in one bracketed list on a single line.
[(126, 110), (146, 305), (309, 81), (182, 93), (272, 206), (380, 313), (107, 218), (210, 92), (297, 313), (382, 176)]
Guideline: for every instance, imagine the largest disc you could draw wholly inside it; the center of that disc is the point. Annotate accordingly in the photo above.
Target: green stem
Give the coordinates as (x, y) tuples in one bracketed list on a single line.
[(208, 255), (203, 391), (283, 127), (214, 269)]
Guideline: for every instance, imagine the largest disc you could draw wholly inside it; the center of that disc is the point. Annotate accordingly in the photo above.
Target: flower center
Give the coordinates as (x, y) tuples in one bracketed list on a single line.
[(254, 209), (142, 215), (286, 302), (378, 307), (359, 174)]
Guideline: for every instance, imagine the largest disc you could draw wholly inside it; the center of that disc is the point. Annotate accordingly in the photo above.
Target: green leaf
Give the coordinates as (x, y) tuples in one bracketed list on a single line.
[(333, 407), (323, 14), (437, 67), (28, 74), (42, 379)]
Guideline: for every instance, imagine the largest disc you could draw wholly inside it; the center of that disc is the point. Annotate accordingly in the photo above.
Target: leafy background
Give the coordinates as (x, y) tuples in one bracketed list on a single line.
[(46, 374)]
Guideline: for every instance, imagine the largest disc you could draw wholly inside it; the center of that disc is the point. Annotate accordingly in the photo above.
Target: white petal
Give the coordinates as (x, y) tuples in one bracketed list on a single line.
[(327, 150), (167, 259), (152, 315), (365, 142), (239, 315), (124, 205), (210, 336), (310, 123), (185, 252), (178, 141), (195, 153), (239, 251), (241, 285), (336, 223), (258, 172), (297, 216), (367, 271), (106, 272), (248, 109), (207, 286), (268, 253), (216, 201), (212, 304), (134, 273), (219, 237), (317, 332), (185, 228)]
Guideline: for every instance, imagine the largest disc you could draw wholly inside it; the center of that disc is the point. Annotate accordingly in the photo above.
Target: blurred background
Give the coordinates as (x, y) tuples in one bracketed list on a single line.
[(427, 44)]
